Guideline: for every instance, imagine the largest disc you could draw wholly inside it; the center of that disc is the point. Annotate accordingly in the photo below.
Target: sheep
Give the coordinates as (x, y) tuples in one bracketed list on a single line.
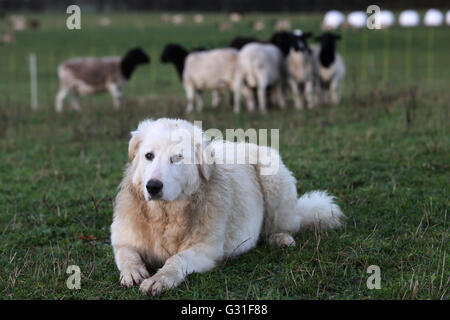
[(202, 70), (329, 68), (333, 20), (447, 18), (88, 75), (433, 18), (260, 66), (300, 70), (409, 18)]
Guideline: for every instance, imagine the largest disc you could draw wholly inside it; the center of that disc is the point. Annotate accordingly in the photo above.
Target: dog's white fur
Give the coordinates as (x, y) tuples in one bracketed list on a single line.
[(207, 211)]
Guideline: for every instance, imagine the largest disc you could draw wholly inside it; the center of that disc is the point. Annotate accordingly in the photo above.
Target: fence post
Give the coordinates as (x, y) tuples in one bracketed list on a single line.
[(33, 81)]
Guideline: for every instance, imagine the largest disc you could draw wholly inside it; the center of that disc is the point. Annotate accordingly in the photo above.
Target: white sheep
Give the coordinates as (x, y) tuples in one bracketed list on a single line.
[(300, 71), (202, 70), (329, 68), (259, 66), (433, 18), (88, 75), (409, 18), (332, 20), (447, 18)]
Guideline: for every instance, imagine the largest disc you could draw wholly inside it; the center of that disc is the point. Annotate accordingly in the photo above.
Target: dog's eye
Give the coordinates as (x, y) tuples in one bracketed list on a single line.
[(176, 158), (149, 156)]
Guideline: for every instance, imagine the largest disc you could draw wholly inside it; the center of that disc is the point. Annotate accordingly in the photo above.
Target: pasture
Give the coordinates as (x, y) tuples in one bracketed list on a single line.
[(384, 152)]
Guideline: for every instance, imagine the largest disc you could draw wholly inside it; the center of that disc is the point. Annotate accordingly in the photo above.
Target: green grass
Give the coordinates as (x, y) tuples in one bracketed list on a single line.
[(384, 152)]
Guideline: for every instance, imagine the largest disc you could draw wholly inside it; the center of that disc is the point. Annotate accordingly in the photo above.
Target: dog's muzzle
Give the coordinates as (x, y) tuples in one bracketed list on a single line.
[(154, 188)]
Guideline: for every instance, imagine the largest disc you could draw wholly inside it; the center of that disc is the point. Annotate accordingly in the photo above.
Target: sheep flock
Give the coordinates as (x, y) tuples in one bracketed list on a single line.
[(262, 72)]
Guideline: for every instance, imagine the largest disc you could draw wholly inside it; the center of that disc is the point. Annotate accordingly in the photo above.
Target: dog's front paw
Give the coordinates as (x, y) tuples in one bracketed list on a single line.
[(160, 282), (134, 275)]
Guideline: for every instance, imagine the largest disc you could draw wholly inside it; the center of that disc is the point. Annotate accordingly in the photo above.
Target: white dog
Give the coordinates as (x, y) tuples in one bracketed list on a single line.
[(185, 207)]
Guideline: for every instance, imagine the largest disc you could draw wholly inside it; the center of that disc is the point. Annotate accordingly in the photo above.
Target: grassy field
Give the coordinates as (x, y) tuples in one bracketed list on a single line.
[(384, 152)]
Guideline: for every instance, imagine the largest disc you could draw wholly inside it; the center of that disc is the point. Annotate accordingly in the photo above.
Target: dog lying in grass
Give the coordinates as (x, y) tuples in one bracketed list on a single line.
[(186, 203)]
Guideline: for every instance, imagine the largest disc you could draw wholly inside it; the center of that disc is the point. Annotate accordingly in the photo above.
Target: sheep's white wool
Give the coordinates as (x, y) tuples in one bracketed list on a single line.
[(207, 211), (447, 18), (357, 19), (433, 18), (300, 70), (409, 18), (333, 19), (259, 66), (208, 70)]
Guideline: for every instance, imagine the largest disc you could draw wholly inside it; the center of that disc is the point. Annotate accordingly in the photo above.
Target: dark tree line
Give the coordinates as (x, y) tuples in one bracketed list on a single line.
[(218, 5)]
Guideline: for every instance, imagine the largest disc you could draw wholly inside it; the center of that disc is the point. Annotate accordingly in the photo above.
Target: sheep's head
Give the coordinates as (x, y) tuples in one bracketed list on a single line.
[(131, 60), (328, 39), (173, 53), (138, 56), (286, 41)]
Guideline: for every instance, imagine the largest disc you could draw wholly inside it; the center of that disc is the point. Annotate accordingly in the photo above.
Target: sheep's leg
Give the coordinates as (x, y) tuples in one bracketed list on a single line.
[(116, 94), (296, 94), (190, 93), (249, 99), (280, 96), (215, 98), (318, 93), (199, 98), (262, 98), (335, 92), (309, 94), (62, 93), (237, 92), (74, 101)]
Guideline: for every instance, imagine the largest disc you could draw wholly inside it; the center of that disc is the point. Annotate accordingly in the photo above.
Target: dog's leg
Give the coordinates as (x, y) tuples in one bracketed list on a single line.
[(132, 268), (177, 267), (281, 239)]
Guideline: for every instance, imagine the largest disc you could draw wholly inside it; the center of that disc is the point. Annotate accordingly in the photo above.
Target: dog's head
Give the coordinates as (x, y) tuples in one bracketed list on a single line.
[(168, 159)]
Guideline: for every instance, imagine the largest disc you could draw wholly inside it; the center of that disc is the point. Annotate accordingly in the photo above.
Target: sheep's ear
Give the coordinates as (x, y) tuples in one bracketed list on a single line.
[(133, 146)]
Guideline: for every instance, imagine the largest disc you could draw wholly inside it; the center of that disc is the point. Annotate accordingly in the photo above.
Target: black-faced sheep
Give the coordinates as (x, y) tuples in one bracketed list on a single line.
[(329, 68), (88, 75)]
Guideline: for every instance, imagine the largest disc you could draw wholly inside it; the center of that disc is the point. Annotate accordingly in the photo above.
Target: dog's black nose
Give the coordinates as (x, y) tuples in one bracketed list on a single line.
[(154, 186)]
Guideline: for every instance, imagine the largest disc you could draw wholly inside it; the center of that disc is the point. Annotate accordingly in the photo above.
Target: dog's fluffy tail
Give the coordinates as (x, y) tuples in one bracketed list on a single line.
[(319, 211)]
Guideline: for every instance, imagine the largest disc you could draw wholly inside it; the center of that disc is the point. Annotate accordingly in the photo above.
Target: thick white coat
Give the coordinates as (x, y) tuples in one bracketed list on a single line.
[(208, 211)]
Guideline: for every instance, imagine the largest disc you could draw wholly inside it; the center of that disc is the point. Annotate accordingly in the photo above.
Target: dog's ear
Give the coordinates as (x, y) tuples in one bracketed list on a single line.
[(205, 156), (133, 146)]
